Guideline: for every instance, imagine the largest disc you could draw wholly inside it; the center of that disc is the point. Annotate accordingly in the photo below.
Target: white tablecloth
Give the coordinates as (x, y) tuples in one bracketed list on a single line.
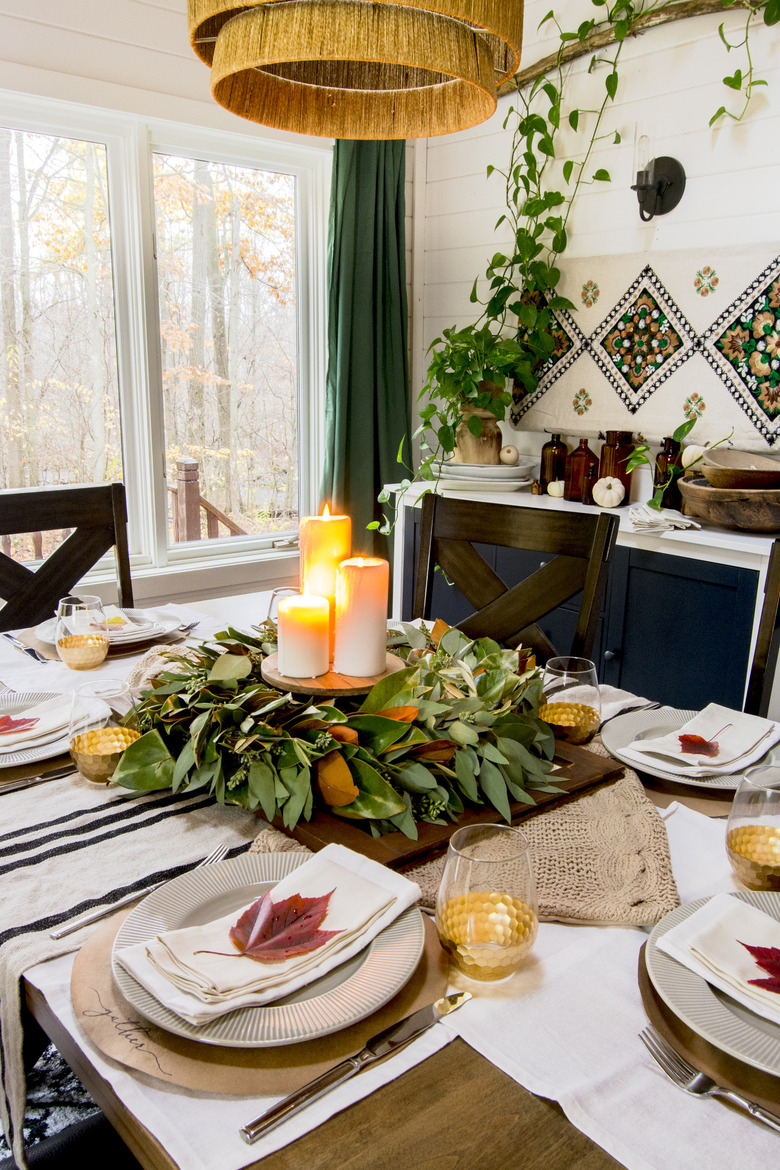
[(565, 1027)]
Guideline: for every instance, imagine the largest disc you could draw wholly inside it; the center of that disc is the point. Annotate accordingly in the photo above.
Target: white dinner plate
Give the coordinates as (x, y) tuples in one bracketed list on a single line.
[(488, 470), (452, 484), (11, 703), (707, 1011), (348, 993), (150, 624), (623, 729)]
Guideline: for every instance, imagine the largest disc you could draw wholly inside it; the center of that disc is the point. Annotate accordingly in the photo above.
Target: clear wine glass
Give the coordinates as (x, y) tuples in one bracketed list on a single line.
[(486, 908), (572, 699), (102, 725), (81, 633), (753, 830)]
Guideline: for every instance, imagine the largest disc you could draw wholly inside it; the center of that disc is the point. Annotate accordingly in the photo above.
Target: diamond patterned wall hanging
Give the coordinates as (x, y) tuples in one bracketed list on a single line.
[(644, 339), (570, 342), (743, 347)]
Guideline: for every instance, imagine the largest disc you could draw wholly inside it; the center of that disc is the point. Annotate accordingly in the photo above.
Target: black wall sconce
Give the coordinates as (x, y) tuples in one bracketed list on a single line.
[(659, 186)]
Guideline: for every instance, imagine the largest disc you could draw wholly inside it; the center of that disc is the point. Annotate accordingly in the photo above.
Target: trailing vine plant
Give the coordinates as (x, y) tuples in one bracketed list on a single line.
[(515, 334)]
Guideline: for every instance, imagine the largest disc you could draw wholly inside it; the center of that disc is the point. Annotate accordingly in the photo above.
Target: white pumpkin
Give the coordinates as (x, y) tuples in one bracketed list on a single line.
[(509, 456), (555, 488), (691, 454), (608, 492)]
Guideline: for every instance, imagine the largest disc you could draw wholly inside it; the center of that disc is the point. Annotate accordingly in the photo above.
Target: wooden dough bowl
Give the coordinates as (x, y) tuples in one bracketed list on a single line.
[(751, 509), (740, 469)]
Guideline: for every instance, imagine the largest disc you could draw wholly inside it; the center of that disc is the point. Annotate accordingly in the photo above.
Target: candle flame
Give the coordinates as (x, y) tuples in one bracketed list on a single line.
[(326, 512)]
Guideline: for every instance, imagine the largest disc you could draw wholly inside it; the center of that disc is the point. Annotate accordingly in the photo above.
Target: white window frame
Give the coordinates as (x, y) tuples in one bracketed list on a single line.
[(227, 564)]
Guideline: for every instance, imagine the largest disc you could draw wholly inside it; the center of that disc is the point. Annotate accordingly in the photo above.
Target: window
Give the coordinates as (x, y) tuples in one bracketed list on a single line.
[(162, 323)]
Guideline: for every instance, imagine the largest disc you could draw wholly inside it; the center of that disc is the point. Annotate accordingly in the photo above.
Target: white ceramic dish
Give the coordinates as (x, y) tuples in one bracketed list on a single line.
[(524, 469), (710, 1012), (623, 729), (345, 995), (483, 485), (149, 624)]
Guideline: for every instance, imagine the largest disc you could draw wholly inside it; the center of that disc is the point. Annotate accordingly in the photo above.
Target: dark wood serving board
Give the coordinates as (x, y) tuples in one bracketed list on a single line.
[(579, 769)]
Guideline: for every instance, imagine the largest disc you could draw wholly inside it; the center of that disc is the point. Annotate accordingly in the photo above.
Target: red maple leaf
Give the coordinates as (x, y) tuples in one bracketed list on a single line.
[(272, 931), (8, 724), (697, 745), (768, 959)]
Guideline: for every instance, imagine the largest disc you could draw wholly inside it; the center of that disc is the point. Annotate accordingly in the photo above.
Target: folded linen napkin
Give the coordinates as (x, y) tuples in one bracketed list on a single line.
[(709, 943), (646, 519), (49, 717), (742, 740), (199, 987)]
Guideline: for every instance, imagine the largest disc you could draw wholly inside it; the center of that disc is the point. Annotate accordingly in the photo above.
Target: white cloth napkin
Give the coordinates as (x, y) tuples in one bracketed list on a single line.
[(645, 519), (709, 943), (51, 716), (742, 739), (200, 987)]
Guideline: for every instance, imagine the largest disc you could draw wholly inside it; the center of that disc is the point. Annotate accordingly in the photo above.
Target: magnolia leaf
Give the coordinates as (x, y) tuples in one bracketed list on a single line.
[(270, 932), (230, 667), (334, 780), (146, 765), (384, 692)]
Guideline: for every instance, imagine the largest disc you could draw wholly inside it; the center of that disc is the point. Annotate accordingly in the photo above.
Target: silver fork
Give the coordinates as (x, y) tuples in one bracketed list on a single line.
[(104, 911), (698, 1084)]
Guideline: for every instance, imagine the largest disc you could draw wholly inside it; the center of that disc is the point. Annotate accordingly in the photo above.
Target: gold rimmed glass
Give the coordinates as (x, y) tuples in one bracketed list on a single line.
[(102, 725), (81, 634), (486, 909), (753, 831), (572, 699)]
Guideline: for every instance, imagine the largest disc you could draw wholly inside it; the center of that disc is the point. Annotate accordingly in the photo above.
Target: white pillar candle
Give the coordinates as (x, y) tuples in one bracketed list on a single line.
[(361, 616), (302, 632), (324, 542)]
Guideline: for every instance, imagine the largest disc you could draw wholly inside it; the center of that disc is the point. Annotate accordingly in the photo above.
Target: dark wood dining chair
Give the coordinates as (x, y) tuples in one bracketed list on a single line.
[(581, 545), (762, 670), (98, 519)]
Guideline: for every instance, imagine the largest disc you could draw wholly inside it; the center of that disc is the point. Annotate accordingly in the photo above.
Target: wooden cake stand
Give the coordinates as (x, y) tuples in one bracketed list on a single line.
[(330, 683)]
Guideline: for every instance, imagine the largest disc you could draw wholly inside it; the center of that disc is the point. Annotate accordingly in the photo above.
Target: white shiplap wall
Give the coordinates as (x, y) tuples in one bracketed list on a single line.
[(670, 86), (130, 55)]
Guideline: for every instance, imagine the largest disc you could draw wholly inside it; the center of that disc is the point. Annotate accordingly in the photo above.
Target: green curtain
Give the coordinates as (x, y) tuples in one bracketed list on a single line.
[(367, 388)]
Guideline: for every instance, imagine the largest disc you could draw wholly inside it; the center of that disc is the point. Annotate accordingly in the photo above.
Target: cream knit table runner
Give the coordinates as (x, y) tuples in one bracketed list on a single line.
[(601, 858)]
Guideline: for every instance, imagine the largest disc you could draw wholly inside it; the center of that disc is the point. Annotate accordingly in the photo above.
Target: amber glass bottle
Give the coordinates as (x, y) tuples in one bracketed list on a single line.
[(576, 470), (614, 454), (553, 467), (668, 457)]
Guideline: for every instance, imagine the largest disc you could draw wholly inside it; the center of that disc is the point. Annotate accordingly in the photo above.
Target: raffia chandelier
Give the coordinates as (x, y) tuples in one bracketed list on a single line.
[(358, 68)]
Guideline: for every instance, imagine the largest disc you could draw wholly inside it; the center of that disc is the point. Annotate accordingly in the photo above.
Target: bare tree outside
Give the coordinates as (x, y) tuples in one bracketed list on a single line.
[(59, 401), (228, 333), (226, 267)]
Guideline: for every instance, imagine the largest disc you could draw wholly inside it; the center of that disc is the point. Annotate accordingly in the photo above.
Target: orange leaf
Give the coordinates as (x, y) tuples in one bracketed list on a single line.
[(335, 780), (439, 630), (401, 714), (343, 734), (438, 750)]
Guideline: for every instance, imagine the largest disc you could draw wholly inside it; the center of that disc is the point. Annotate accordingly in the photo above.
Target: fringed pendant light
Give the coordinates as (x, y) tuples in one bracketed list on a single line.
[(358, 68)]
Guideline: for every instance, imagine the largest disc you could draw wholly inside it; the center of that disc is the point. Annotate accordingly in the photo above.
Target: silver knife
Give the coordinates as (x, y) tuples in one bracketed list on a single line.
[(30, 651), (392, 1039), (31, 781)]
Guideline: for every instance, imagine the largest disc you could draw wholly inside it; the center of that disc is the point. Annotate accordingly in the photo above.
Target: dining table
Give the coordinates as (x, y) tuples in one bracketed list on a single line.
[(545, 1069)]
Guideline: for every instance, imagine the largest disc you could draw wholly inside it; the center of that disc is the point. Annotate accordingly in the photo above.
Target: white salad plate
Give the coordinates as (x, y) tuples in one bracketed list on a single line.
[(348, 993), (147, 624), (707, 1011), (624, 729)]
